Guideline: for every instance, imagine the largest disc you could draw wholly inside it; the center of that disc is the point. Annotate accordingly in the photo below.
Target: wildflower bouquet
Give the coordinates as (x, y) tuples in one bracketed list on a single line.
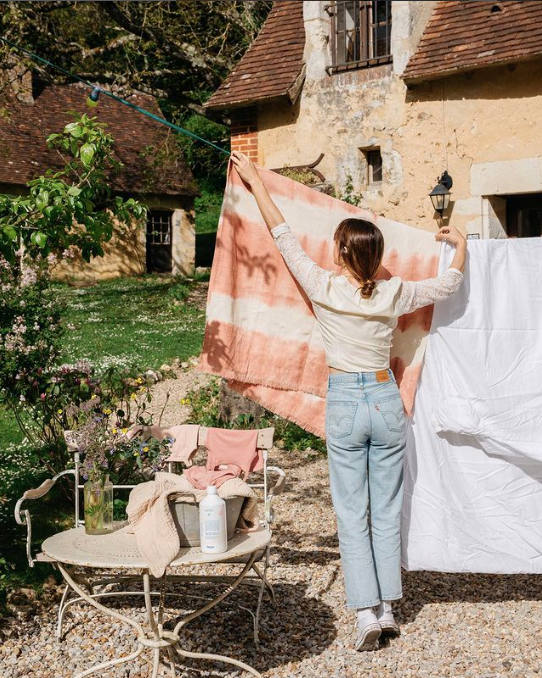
[(110, 453)]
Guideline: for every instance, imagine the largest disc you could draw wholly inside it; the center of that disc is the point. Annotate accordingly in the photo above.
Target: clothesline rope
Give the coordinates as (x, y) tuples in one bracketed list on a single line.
[(115, 97)]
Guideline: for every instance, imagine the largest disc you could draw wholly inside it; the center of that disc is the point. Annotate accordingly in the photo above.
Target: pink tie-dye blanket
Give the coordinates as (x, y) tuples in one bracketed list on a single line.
[(261, 334)]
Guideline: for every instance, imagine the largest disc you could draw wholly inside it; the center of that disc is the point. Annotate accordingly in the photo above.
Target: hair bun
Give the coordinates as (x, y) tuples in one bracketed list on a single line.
[(367, 288)]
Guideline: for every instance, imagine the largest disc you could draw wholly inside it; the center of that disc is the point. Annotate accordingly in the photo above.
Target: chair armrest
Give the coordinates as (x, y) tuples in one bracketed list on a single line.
[(278, 487), (22, 517)]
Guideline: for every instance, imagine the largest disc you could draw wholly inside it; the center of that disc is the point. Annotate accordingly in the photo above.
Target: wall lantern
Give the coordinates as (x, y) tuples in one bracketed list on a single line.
[(440, 195)]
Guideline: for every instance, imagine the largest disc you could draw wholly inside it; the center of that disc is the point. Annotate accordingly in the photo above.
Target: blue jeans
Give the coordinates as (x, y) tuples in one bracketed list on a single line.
[(365, 437)]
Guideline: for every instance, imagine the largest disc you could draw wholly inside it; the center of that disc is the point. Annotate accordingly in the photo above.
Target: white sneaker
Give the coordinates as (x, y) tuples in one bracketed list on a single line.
[(386, 620), (368, 634)]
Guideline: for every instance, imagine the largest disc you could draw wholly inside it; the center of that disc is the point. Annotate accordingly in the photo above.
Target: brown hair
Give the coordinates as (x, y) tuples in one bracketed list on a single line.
[(361, 248)]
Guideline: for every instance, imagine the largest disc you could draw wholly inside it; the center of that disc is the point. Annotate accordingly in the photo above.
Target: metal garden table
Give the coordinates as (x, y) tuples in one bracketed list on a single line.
[(73, 550)]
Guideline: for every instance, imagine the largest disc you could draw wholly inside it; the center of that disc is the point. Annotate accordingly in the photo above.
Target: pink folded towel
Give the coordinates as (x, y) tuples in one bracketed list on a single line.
[(200, 478), (227, 447)]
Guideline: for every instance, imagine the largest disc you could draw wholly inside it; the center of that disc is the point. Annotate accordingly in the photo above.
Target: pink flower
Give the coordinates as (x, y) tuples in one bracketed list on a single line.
[(42, 396)]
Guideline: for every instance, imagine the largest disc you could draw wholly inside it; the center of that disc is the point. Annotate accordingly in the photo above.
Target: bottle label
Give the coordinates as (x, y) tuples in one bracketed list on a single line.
[(211, 528)]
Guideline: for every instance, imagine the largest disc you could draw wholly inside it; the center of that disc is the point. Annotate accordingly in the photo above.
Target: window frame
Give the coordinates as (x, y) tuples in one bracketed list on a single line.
[(367, 27), (166, 218), (370, 154)]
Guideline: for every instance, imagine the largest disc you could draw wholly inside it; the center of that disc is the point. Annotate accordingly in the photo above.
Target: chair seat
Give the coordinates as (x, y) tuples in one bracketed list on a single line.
[(43, 558), (244, 559)]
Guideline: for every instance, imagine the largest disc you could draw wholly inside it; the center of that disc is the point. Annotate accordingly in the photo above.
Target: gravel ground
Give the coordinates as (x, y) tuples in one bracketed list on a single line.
[(477, 626)]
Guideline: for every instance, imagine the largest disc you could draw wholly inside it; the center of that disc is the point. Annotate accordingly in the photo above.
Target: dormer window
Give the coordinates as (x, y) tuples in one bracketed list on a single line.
[(360, 34)]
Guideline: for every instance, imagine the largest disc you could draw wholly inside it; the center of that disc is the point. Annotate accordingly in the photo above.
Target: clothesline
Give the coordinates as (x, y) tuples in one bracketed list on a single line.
[(157, 118)]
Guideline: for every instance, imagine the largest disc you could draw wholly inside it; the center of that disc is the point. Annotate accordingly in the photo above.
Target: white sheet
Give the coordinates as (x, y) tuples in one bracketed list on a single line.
[(473, 468)]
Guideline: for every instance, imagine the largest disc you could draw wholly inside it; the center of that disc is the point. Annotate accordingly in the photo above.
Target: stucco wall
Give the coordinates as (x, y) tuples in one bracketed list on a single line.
[(482, 126), (125, 253)]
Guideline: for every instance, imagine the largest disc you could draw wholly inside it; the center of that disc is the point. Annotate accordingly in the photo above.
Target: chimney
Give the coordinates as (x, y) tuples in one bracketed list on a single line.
[(19, 79)]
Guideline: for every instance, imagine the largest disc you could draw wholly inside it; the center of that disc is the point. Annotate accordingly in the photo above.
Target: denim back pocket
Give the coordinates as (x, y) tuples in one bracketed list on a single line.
[(340, 417), (392, 411)]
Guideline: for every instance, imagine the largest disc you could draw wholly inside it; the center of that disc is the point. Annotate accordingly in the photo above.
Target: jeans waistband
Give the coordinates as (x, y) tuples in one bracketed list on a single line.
[(357, 377)]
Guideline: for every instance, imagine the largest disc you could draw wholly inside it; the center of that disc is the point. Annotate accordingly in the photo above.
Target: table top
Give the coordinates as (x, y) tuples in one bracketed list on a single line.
[(119, 549)]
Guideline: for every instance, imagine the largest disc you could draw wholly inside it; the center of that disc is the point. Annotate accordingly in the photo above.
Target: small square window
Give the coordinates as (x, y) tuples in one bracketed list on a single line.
[(374, 166)]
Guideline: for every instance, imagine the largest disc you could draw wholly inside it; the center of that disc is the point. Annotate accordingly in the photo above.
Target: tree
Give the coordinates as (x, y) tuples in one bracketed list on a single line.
[(179, 52)]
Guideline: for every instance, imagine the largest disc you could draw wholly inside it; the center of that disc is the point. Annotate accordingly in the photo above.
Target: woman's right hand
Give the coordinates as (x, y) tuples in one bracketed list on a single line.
[(451, 235), (245, 167)]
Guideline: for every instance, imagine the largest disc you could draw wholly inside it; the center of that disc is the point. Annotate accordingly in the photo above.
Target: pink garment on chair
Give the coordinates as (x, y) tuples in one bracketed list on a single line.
[(237, 449), (185, 443), (200, 478)]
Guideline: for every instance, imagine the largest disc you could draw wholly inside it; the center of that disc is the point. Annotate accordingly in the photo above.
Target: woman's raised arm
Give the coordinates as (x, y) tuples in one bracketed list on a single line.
[(415, 295), (306, 271)]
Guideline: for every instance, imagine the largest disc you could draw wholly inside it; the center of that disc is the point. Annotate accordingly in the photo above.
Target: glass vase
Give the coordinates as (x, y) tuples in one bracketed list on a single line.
[(98, 504)]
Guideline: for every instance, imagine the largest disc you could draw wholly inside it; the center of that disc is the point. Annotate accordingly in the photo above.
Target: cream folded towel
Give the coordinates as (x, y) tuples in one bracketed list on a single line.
[(151, 520)]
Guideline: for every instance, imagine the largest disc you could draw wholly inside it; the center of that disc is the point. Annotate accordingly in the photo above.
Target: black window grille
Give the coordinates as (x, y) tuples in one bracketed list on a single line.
[(360, 34), (159, 228)]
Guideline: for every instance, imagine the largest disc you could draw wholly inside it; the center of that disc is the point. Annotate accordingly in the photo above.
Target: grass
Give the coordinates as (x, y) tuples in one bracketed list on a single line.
[(138, 323), (9, 431)]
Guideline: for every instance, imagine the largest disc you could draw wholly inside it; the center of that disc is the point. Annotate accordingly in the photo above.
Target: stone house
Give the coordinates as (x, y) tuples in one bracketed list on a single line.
[(395, 93), (153, 173)]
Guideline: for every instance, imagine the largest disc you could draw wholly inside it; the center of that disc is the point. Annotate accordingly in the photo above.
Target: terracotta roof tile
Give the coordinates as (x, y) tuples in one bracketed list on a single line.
[(272, 66), (466, 34), (139, 141)]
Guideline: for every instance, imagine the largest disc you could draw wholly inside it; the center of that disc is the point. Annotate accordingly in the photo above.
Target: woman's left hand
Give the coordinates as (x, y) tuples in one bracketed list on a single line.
[(245, 167)]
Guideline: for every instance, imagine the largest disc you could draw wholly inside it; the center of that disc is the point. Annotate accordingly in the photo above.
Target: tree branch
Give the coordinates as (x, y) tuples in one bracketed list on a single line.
[(184, 51)]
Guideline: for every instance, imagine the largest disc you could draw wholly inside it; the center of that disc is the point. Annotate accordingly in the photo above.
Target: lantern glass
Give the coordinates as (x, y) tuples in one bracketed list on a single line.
[(440, 197)]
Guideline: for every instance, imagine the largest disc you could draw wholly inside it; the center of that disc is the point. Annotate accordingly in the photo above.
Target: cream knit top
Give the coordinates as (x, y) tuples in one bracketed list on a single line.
[(357, 332)]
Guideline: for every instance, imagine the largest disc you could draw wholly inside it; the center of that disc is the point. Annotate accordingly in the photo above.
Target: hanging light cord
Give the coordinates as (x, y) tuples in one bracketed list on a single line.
[(116, 98)]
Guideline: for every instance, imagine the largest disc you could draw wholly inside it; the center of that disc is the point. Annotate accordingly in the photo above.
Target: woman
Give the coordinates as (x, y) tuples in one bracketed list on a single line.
[(365, 419)]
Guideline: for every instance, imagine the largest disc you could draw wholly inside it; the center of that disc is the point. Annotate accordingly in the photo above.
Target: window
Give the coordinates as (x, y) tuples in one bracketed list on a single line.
[(159, 228), (159, 256), (524, 215), (374, 166), (360, 34)]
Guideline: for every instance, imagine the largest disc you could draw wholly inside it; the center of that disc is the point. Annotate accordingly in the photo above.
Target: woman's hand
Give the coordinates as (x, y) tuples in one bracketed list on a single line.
[(245, 167), (451, 235)]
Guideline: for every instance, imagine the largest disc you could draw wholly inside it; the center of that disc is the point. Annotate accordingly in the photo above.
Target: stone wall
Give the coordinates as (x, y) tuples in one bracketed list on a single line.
[(481, 126)]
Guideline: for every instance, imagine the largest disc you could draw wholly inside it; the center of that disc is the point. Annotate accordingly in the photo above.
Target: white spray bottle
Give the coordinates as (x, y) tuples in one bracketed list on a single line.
[(212, 523)]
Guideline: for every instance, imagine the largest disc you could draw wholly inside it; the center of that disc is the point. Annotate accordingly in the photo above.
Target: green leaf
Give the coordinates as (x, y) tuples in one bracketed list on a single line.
[(41, 239), (10, 232), (73, 190), (38, 238), (42, 200), (87, 153)]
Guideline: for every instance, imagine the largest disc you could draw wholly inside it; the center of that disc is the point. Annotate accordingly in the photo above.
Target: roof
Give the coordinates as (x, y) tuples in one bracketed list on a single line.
[(141, 144), (468, 34), (272, 67)]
